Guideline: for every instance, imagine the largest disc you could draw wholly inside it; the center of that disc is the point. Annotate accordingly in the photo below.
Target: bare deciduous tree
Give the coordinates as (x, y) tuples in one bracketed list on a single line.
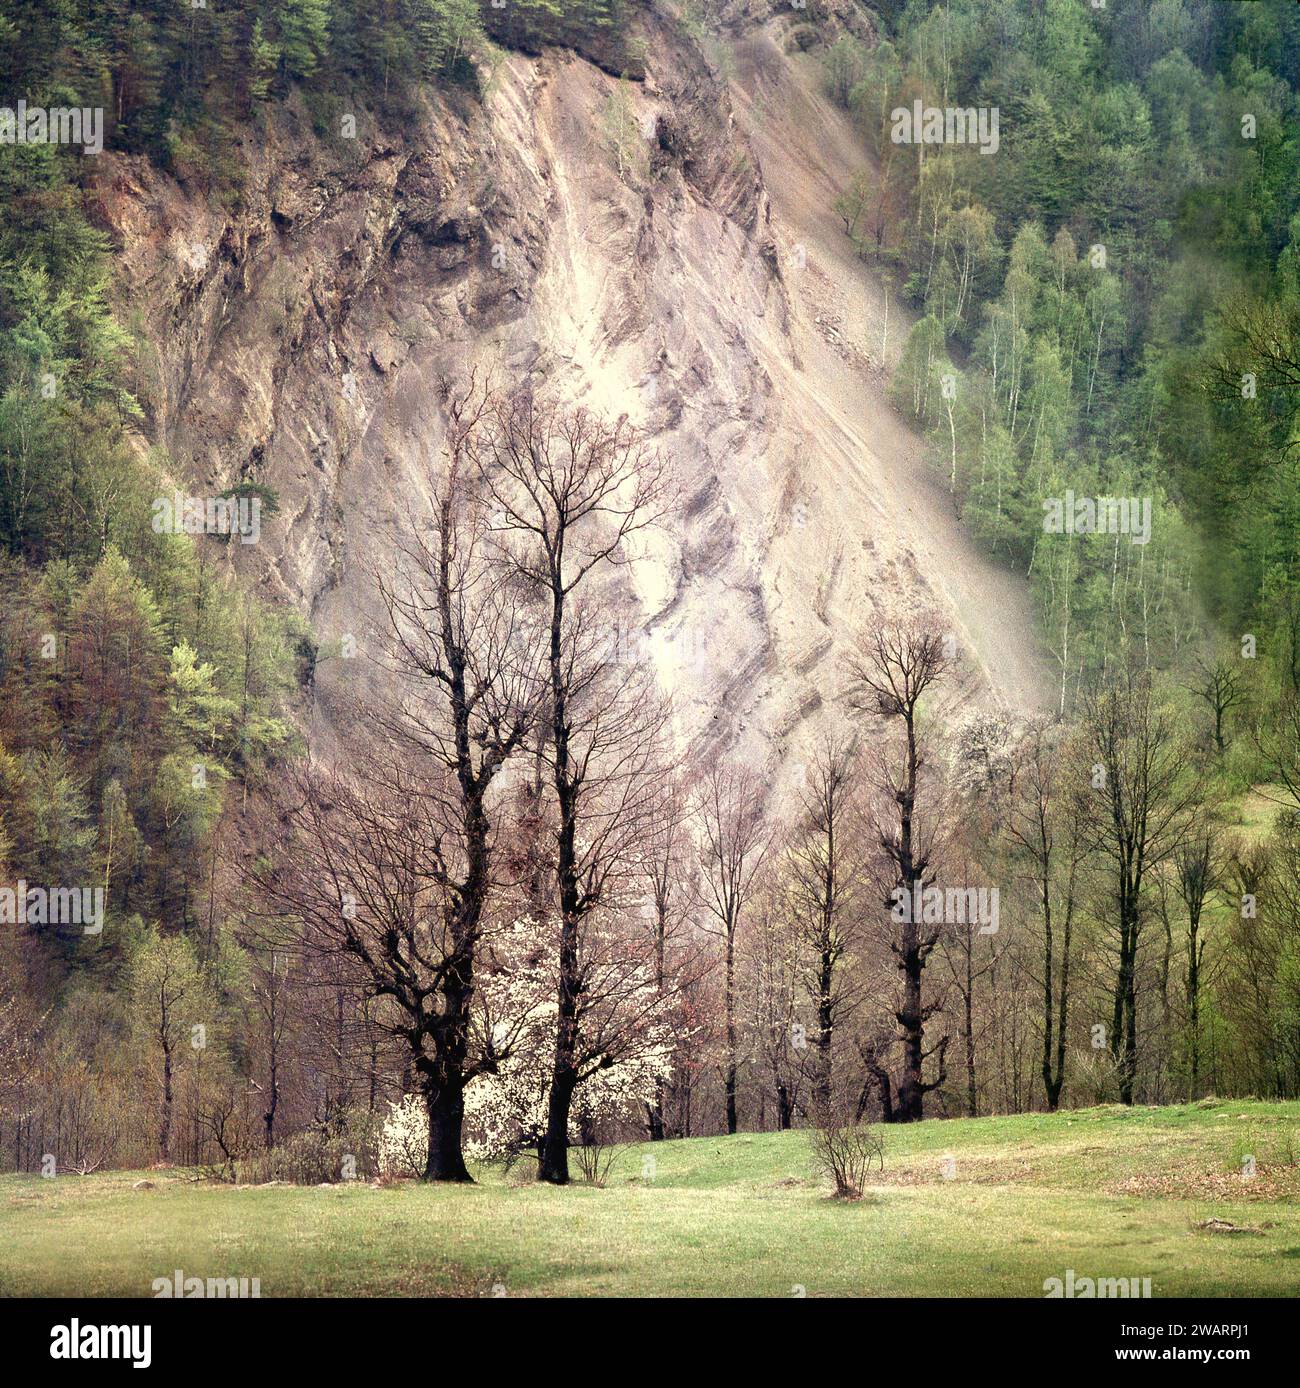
[(1137, 815), (1219, 684), (821, 880), (468, 683), (1199, 870), (897, 666), (361, 872), (1044, 829), (571, 492), (735, 843), (776, 968), (666, 871)]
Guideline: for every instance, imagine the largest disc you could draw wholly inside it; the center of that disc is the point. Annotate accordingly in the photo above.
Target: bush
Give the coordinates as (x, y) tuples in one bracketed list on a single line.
[(404, 1138), (344, 1151), (595, 1155), (844, 1149)]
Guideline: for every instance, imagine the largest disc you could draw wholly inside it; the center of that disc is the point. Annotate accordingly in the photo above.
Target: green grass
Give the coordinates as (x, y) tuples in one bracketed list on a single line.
[(1257, 810), (1108, 1192)]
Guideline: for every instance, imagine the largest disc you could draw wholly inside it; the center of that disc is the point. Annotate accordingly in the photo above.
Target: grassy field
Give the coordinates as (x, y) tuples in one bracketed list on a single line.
[(1106, 1191)]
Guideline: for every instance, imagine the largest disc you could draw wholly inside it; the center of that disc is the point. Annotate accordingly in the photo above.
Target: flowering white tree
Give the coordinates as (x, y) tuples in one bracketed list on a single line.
[(626, 1042)]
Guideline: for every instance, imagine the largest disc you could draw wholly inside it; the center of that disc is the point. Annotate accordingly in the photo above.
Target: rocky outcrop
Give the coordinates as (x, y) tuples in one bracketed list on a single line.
[(305, 335)]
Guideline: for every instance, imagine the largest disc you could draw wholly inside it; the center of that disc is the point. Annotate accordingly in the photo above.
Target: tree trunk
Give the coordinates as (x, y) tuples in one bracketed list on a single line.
[(446, 1105), (825, 1022), (784, 1108), (165, 1129), (731, 1031), (911, 1090), (554, 1165), (1124, 1020)]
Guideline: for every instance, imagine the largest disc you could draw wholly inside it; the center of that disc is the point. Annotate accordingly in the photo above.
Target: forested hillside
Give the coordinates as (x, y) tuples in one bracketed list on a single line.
[(517, 889), (1112, 296)]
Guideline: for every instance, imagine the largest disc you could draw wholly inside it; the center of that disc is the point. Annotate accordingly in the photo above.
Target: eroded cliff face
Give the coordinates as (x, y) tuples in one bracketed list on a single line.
[(698, 281)]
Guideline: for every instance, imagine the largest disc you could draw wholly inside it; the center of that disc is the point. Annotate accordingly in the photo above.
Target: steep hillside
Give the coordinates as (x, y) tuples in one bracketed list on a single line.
[(693, 277)]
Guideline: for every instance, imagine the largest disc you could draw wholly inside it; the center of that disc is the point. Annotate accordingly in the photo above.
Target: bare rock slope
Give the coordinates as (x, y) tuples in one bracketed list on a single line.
[(693, 277)]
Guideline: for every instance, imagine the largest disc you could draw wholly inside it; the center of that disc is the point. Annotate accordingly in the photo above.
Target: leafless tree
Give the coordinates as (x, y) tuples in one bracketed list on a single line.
[(365, 871), (468, 686), (822, 877), (571, 493), (1137, 815), (270, 989), (735, 841), (1219, 684), (1044, 829), (896, 667), (776, 969), (843, 1146), (1199, 874), (666, 869)]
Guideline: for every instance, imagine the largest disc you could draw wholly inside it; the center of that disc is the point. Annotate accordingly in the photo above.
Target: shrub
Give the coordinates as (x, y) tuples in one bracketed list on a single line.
[(404, 1138), (595, 1155), (844, 1148), (343, 1151)]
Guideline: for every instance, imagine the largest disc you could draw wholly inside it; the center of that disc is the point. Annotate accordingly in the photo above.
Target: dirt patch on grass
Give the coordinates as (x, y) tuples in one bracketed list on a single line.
[(1268, 1183), (1226, 1226)]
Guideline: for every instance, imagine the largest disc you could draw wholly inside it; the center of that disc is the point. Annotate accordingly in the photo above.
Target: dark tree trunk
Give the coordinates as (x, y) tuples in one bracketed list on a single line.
[(165, 1129), (730, 1002), (446, 1162), (911, 1088), (825, 1021), (554, 1164), (1051, 1082), (1124, 1019), (884, 1093), (784, 1108)]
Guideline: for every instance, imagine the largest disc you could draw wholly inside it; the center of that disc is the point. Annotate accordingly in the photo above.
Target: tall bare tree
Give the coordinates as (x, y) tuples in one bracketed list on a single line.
[(896, 667), (1199, 874), (571, 492), (735, 843), (776, 962), (821, 881), (1143, 794), (468, 685), (665, 867), (1044, 830), (472, 686), (360, 874)]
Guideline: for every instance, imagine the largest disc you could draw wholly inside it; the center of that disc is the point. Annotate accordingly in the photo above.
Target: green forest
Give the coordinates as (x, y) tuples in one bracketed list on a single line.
[(1113, 299), (1109, 308)]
